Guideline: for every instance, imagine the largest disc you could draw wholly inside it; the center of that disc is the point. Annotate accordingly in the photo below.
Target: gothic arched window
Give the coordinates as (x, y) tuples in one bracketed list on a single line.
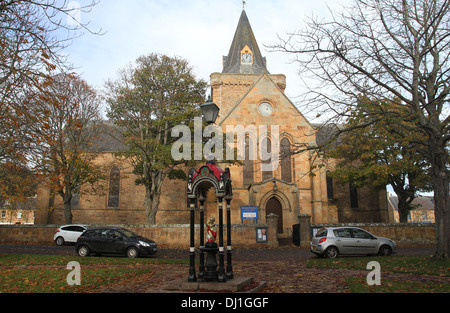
[(114, 187), (286, 166)]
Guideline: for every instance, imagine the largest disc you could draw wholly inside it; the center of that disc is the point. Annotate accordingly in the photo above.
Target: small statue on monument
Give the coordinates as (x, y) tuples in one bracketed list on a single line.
[(211, 232)]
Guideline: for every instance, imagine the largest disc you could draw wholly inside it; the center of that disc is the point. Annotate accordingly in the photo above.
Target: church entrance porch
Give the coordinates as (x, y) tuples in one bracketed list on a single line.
[(274, 206)]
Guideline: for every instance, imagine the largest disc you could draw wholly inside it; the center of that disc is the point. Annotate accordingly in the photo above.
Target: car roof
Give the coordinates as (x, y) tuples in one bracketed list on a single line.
[(342, 227), (85, 225), (102, 228)]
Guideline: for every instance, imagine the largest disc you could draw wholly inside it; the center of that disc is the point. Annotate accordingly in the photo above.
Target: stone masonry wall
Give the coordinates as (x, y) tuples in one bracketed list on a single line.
[(242, 235)]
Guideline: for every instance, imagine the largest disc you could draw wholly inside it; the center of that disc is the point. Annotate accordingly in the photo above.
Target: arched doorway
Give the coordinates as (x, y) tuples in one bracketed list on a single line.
[(274, 206)]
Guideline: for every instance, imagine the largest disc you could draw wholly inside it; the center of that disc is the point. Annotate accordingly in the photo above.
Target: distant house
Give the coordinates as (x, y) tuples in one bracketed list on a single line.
[(423, 213), (21, 213)]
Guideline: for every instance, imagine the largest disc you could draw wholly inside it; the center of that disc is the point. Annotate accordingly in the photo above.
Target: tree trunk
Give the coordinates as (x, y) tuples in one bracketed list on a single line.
[(68, 209), (66, 195), (151, 204), (442, 206), (403, 210)]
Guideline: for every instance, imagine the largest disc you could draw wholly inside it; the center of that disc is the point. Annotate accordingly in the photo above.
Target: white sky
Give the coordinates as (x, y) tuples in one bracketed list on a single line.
[(200, 31)]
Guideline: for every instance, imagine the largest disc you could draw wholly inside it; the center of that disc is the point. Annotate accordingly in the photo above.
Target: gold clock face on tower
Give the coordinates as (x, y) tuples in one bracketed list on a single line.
[(265, 108)]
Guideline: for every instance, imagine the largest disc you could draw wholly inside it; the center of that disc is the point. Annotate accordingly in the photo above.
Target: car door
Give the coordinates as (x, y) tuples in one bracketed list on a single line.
[(96, 240), (364, 242), (75, 232), (71, 233), (344, 240), (114, 242)]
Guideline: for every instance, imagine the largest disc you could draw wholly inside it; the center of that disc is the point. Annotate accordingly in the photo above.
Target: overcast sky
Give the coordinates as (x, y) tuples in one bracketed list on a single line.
[(200, 31)]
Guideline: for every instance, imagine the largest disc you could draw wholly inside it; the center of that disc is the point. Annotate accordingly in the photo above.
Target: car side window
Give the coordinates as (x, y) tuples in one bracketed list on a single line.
[(342, 233), (358, 233), (113, 234), (94, 234)]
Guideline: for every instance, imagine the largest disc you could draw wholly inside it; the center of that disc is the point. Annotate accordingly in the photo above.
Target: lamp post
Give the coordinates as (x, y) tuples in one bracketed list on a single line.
[(198, 184), (210, 112)]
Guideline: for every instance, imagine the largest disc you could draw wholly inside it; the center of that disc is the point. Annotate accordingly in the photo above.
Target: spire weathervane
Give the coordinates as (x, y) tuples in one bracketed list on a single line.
[(243, 4)]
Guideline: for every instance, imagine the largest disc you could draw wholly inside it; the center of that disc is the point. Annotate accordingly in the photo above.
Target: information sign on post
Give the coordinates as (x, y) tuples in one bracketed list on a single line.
[(249, 212)]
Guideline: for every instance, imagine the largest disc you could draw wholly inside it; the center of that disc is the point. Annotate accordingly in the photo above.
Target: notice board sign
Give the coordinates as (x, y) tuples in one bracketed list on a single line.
[(261, 234), (249, 212)]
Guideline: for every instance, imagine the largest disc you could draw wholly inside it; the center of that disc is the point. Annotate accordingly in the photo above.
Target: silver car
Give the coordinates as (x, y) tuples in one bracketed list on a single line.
[(331, 242)]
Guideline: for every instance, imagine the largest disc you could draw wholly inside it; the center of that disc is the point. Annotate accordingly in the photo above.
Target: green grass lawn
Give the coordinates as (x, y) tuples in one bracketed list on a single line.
[(417, 265), (48, 274)]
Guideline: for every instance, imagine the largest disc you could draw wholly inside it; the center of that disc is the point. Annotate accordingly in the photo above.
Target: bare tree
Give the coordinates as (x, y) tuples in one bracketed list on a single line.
[(33, 35), (386, 49)]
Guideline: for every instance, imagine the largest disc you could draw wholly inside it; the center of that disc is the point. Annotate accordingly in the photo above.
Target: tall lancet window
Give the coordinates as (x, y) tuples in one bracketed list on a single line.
[(266, 142), (286, 166), (248, 172), (330, 187), (114, 187)]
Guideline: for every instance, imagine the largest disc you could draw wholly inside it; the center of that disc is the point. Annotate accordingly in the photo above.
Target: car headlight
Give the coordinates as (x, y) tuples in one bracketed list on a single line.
[(144, 244)]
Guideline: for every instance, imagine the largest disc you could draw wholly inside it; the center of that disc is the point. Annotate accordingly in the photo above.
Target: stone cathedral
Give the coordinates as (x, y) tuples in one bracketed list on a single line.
[(247, 94)]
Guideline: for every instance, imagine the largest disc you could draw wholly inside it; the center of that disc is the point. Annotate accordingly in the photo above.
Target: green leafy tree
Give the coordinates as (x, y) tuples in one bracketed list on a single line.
[(378, 154), (146, 102)]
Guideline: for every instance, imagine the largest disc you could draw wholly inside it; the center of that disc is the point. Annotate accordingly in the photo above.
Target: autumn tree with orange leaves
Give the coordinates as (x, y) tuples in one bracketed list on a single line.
[(31, 54)]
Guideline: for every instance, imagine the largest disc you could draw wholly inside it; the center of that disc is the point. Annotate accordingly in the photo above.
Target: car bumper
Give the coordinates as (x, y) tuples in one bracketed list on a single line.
[(317, 249), (148, 250)]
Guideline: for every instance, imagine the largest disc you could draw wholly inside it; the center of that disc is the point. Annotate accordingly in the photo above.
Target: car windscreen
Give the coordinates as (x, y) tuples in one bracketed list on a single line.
[(129, 233)]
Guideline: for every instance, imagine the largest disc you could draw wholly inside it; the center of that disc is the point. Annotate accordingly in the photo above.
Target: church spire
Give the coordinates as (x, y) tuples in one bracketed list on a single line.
[(244, 55)]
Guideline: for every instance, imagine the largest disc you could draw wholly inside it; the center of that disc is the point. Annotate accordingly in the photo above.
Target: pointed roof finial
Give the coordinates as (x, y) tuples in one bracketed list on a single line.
[(243, 4)]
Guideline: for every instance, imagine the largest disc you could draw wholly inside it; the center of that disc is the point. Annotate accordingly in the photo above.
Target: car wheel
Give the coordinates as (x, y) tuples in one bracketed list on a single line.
[(331, 252), (385, 250), (132, 252), (59, 241), (83, 251)]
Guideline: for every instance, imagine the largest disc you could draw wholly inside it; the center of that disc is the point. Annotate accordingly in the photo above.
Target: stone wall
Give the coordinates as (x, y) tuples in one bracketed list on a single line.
[(173, 235), (402, 234), (241, 234)]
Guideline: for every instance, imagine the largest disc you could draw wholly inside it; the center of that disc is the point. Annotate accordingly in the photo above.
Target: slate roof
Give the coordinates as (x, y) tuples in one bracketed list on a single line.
[(108, 138), (244, 36)]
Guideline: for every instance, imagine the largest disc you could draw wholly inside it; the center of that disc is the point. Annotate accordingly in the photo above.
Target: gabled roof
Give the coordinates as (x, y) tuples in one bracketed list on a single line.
[(261, 78), (244, 37)]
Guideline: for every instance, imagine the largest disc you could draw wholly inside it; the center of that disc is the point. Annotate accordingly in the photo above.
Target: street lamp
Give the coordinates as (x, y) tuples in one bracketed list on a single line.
[(210, 111)]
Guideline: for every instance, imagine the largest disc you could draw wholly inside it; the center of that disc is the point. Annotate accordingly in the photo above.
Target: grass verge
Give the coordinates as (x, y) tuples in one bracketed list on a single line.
[(48, 274), (419, 266)]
